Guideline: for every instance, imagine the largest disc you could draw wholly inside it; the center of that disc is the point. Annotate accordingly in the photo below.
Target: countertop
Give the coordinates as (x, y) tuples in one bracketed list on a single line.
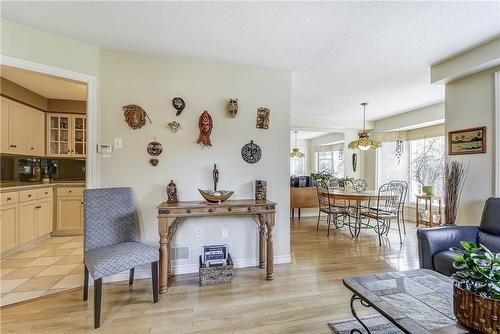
[(16, 185)]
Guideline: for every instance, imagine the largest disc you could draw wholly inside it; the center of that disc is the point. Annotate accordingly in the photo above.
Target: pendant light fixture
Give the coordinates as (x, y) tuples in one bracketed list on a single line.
[(364, 142), (295, 151)]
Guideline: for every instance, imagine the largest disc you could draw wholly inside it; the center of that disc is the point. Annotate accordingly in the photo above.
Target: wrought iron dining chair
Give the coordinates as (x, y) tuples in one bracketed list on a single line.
[(401, 211), (109, 242), (386, 209), (326, 206)]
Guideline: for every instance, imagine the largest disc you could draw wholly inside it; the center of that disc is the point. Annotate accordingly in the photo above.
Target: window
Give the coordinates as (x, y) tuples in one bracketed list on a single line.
[(422, 161), (331, 161), (298, 165)]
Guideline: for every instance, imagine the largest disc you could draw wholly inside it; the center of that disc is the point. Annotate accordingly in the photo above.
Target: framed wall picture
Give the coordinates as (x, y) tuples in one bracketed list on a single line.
[(467, 141)]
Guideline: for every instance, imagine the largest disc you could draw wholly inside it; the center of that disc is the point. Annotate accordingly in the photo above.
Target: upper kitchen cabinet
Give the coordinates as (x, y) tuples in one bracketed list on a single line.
[(66, 135), (22, 129)]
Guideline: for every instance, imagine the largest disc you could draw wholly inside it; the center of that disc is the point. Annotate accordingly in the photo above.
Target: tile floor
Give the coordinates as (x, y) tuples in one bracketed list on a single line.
[(53, 265)]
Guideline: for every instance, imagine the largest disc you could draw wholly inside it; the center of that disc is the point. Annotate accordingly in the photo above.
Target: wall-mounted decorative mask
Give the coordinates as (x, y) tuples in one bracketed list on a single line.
[(179, 105), (205, 125), (263, 118), (135, 116), (232, 107), (154, 148), (354, 162), (251, 152), (174, 126)]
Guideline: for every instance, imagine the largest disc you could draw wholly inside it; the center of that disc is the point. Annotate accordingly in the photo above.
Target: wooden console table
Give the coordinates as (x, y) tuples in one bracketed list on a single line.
[(170, 216)]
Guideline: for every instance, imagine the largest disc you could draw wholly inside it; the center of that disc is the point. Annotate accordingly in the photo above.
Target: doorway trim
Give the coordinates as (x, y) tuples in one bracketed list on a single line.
[(496, 127), (91, 168)]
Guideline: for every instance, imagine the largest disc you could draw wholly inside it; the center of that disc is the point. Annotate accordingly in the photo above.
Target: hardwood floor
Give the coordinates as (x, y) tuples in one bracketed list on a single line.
[(302, 298)]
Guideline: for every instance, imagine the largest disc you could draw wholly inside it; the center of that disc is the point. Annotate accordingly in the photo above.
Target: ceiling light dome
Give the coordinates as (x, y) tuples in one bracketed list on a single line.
[(364, 143)]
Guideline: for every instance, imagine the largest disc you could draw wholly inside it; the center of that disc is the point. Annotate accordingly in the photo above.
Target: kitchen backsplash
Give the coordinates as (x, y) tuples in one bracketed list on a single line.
[(31, 169)]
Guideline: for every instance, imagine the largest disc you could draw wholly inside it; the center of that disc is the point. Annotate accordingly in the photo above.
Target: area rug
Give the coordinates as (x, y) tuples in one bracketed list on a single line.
[(376, 323)]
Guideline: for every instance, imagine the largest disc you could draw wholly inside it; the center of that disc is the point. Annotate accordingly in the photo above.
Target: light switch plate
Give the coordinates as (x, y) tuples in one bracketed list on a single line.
[(225, 233), (199, 233), (118, 143)]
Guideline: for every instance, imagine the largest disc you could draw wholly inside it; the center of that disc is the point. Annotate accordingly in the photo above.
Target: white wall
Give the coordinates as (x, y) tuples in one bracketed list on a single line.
[(421, 117), (470, 102), (152, 82)]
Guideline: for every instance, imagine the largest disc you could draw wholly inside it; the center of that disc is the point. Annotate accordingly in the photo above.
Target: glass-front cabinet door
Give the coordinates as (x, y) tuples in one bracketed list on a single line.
[(67, 135), (79, 136), (59, 135)]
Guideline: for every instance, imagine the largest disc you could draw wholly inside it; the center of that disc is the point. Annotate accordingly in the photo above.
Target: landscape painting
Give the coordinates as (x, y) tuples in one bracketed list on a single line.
[(467, 141)]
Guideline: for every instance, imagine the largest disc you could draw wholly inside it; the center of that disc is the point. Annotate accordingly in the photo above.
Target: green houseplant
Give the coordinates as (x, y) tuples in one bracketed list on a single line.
[(476, 292), (321, 176), (344, 181)]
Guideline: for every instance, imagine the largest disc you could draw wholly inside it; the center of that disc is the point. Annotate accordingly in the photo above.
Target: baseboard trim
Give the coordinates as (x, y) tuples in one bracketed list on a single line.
[(181, 269)]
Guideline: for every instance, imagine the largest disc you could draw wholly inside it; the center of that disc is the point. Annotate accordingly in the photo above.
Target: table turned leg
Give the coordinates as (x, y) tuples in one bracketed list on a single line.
[(163, 227), (262, 241), (270, 251)]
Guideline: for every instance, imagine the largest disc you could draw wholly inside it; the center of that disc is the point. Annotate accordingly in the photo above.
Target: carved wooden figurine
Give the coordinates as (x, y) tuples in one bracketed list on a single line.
[(135, 116), (205, 124), (172, 192), (260, 190), (232, 107), (263, 118)]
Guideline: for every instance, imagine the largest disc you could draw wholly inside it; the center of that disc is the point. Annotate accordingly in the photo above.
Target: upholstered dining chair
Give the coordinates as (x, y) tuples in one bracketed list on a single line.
[(109, 241), (326, 206)]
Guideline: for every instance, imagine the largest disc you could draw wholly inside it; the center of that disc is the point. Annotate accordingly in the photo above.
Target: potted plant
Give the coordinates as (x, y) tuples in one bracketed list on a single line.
[(427, 166), (476, 292), (322, 176), (345, 181)]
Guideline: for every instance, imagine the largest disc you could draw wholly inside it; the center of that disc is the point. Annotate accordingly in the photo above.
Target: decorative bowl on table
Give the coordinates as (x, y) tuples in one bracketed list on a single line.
[(215, 196)]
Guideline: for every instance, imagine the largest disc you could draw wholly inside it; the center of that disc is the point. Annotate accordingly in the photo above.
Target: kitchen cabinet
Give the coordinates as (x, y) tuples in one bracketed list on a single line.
[(22, 129), (66, 135), (25, 216), (9, 222), (69, 215)]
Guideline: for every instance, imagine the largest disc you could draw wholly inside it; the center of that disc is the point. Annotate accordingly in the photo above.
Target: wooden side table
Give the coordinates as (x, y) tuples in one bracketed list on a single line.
[(425, 215)]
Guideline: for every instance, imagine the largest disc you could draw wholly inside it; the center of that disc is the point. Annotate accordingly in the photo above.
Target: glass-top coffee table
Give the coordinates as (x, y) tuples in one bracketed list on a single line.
[(415, 301)]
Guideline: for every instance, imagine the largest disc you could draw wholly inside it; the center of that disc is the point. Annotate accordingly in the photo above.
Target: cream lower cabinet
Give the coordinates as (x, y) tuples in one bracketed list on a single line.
[(69, 211), (25, 216), (9, 222)]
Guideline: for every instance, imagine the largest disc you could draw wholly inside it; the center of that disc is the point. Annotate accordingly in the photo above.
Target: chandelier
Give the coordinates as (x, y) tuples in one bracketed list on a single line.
[(295, 151), (364, 142)]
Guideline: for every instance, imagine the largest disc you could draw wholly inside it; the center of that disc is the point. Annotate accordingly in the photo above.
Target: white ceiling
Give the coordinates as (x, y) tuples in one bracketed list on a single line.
[(45, 85), (306, 134), (341, 53)]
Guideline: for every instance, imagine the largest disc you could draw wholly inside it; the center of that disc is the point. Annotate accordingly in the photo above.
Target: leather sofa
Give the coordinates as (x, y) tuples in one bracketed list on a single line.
[(434, 243)]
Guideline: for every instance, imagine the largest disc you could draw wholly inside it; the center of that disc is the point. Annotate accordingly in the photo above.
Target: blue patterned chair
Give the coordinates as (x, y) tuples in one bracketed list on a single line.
[(109, 241)]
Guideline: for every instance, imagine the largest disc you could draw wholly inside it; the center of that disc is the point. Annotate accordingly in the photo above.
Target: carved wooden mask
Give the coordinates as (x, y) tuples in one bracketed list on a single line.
[(135, 116), (205, 125)]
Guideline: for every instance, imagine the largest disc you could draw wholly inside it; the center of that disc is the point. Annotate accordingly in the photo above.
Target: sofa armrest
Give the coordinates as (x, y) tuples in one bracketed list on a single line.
[(435, 240)]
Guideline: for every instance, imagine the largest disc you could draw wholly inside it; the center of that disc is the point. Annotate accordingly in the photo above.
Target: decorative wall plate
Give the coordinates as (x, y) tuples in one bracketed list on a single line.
[(179, 105), (153, 162), (263, 118), (251, 152), (155, 148)]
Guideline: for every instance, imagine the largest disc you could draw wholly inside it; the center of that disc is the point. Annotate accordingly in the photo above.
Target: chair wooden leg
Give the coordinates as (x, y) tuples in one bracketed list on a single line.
[(154, 280), (85, 283), (97, 302), (131, 277)]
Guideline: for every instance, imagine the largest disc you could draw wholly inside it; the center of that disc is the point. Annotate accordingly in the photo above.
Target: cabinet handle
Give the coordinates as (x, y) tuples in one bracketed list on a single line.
[(29, 195), (46, 193), (32, 148), (38, 207), (9, 198), (69, 191), (12, 145)]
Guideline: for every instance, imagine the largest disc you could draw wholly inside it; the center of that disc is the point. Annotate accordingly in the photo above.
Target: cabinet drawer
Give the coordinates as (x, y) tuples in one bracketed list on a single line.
[(73, 192), (10, 198), (28, 195), (45, 193)]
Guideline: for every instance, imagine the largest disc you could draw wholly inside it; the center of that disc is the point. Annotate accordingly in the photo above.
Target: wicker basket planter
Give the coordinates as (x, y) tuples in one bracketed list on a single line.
[(216, 275), (475, 312)]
